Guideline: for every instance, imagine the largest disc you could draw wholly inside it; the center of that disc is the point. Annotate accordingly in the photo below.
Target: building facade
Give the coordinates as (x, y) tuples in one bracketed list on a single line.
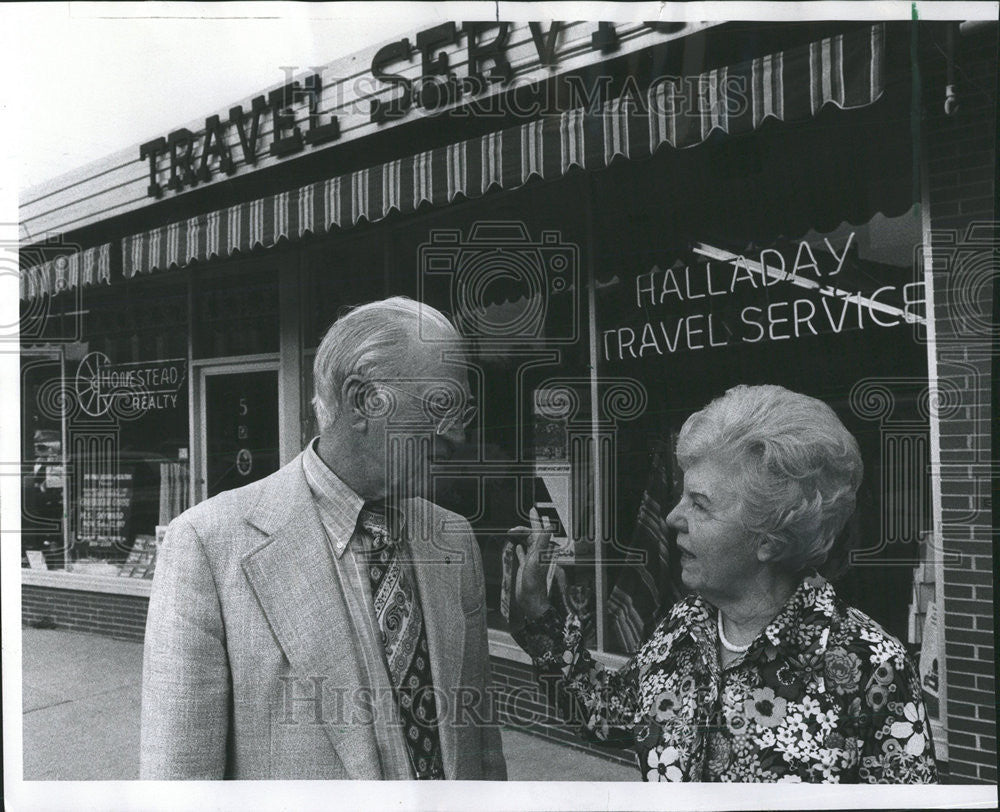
[(625, 220)]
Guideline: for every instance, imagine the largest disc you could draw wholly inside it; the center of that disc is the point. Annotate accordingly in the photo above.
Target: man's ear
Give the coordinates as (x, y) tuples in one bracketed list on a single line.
[(353, 395)]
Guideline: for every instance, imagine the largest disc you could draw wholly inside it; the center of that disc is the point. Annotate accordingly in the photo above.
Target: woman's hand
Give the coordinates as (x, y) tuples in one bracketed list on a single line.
[(531, 586)]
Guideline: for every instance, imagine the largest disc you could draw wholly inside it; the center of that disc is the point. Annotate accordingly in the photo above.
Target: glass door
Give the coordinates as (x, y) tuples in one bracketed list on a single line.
[(240, 426)]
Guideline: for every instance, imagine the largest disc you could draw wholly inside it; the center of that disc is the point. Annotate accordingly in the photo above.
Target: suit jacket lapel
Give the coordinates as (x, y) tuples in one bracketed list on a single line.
[(437, 567), (292, 574)]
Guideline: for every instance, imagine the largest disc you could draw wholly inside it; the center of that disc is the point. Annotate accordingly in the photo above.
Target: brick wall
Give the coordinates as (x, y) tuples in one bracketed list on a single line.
[(120, 616), (960, 152)]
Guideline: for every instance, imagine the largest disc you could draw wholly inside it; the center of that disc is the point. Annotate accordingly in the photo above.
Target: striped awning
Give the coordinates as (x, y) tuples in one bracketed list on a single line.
[(65, 272), (845, 70)]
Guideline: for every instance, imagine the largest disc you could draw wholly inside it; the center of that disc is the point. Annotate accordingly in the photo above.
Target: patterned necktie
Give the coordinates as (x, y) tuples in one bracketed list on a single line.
[(401, 622)]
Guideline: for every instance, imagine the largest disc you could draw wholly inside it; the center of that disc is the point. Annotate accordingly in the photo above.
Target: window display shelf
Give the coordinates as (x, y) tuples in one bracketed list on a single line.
[(59, 579), (502, 645)]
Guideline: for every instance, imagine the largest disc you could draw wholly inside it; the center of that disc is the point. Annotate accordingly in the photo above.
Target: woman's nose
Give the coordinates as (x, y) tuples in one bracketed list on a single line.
[(675, 518)]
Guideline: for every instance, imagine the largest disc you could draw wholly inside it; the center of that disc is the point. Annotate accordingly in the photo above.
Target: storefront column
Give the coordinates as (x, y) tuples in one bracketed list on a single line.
[(290, 358), (67, 525), (193, 442), (603, 531), (939, 725), (961, 256)]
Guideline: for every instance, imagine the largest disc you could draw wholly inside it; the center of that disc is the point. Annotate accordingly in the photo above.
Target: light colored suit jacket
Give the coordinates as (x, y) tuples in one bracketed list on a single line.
[(247, 621)]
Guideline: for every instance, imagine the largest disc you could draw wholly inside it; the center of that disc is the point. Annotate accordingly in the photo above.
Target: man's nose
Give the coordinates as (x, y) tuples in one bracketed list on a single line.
[(675, 519), (454, 432), (446, 442)]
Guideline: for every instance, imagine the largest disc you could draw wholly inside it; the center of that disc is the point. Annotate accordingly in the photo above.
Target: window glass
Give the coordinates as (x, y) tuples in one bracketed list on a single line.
[(127, 425), (507, 269), (43, 469), (341, 271), (236, 310), (733, 277)]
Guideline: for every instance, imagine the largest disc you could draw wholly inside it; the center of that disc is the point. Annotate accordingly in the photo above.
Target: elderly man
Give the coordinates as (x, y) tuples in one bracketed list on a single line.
[(325, 622)]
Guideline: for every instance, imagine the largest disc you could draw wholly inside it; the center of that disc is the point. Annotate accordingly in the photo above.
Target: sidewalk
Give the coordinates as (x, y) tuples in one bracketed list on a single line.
[(81, 717)]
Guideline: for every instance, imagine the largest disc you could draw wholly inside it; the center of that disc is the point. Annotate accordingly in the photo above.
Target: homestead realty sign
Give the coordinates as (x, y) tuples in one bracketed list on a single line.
[(437, 69)]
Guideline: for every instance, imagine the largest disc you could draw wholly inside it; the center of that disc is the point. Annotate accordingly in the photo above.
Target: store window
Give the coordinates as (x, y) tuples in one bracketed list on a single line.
[(236, 310), (508, 269), (526, 326), (121, 425), (236, 378), (743, 273), (340, 272), (582, 390), (43, 477)]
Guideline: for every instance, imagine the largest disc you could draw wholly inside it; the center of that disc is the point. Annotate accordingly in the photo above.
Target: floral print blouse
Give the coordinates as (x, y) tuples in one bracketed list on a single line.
[(823, 694)]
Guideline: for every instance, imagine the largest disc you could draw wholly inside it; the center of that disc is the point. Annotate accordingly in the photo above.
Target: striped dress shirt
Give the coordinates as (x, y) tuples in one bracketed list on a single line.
[(338, 507)]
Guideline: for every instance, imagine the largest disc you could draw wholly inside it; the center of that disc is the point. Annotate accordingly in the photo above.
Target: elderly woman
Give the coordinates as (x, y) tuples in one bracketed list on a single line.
[(762, 674)]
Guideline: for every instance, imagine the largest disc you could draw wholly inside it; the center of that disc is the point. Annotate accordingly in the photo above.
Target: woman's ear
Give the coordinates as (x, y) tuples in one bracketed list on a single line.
[(769, 549)]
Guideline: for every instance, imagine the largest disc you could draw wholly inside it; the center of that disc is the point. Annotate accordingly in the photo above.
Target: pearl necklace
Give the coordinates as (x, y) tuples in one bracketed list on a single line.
[(726, 644)]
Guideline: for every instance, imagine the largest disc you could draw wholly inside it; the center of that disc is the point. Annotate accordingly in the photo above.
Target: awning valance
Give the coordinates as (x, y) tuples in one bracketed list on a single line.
[(66, 272), (845, 70)]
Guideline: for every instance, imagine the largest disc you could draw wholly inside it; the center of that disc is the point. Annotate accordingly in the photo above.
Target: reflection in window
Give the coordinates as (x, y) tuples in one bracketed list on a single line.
[(126, 427), (824, 314)]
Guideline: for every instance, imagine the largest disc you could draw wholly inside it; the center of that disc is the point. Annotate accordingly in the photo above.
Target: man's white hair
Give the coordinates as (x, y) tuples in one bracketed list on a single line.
[(377, 338)]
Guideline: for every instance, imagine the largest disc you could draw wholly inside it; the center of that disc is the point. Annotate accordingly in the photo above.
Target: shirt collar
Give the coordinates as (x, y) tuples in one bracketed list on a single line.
[(811, 607), (809, 612), (338, 504), (393, 519)]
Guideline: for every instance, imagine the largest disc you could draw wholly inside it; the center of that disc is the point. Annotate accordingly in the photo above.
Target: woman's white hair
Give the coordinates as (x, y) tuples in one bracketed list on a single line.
[(798, 469), (374, 338)]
